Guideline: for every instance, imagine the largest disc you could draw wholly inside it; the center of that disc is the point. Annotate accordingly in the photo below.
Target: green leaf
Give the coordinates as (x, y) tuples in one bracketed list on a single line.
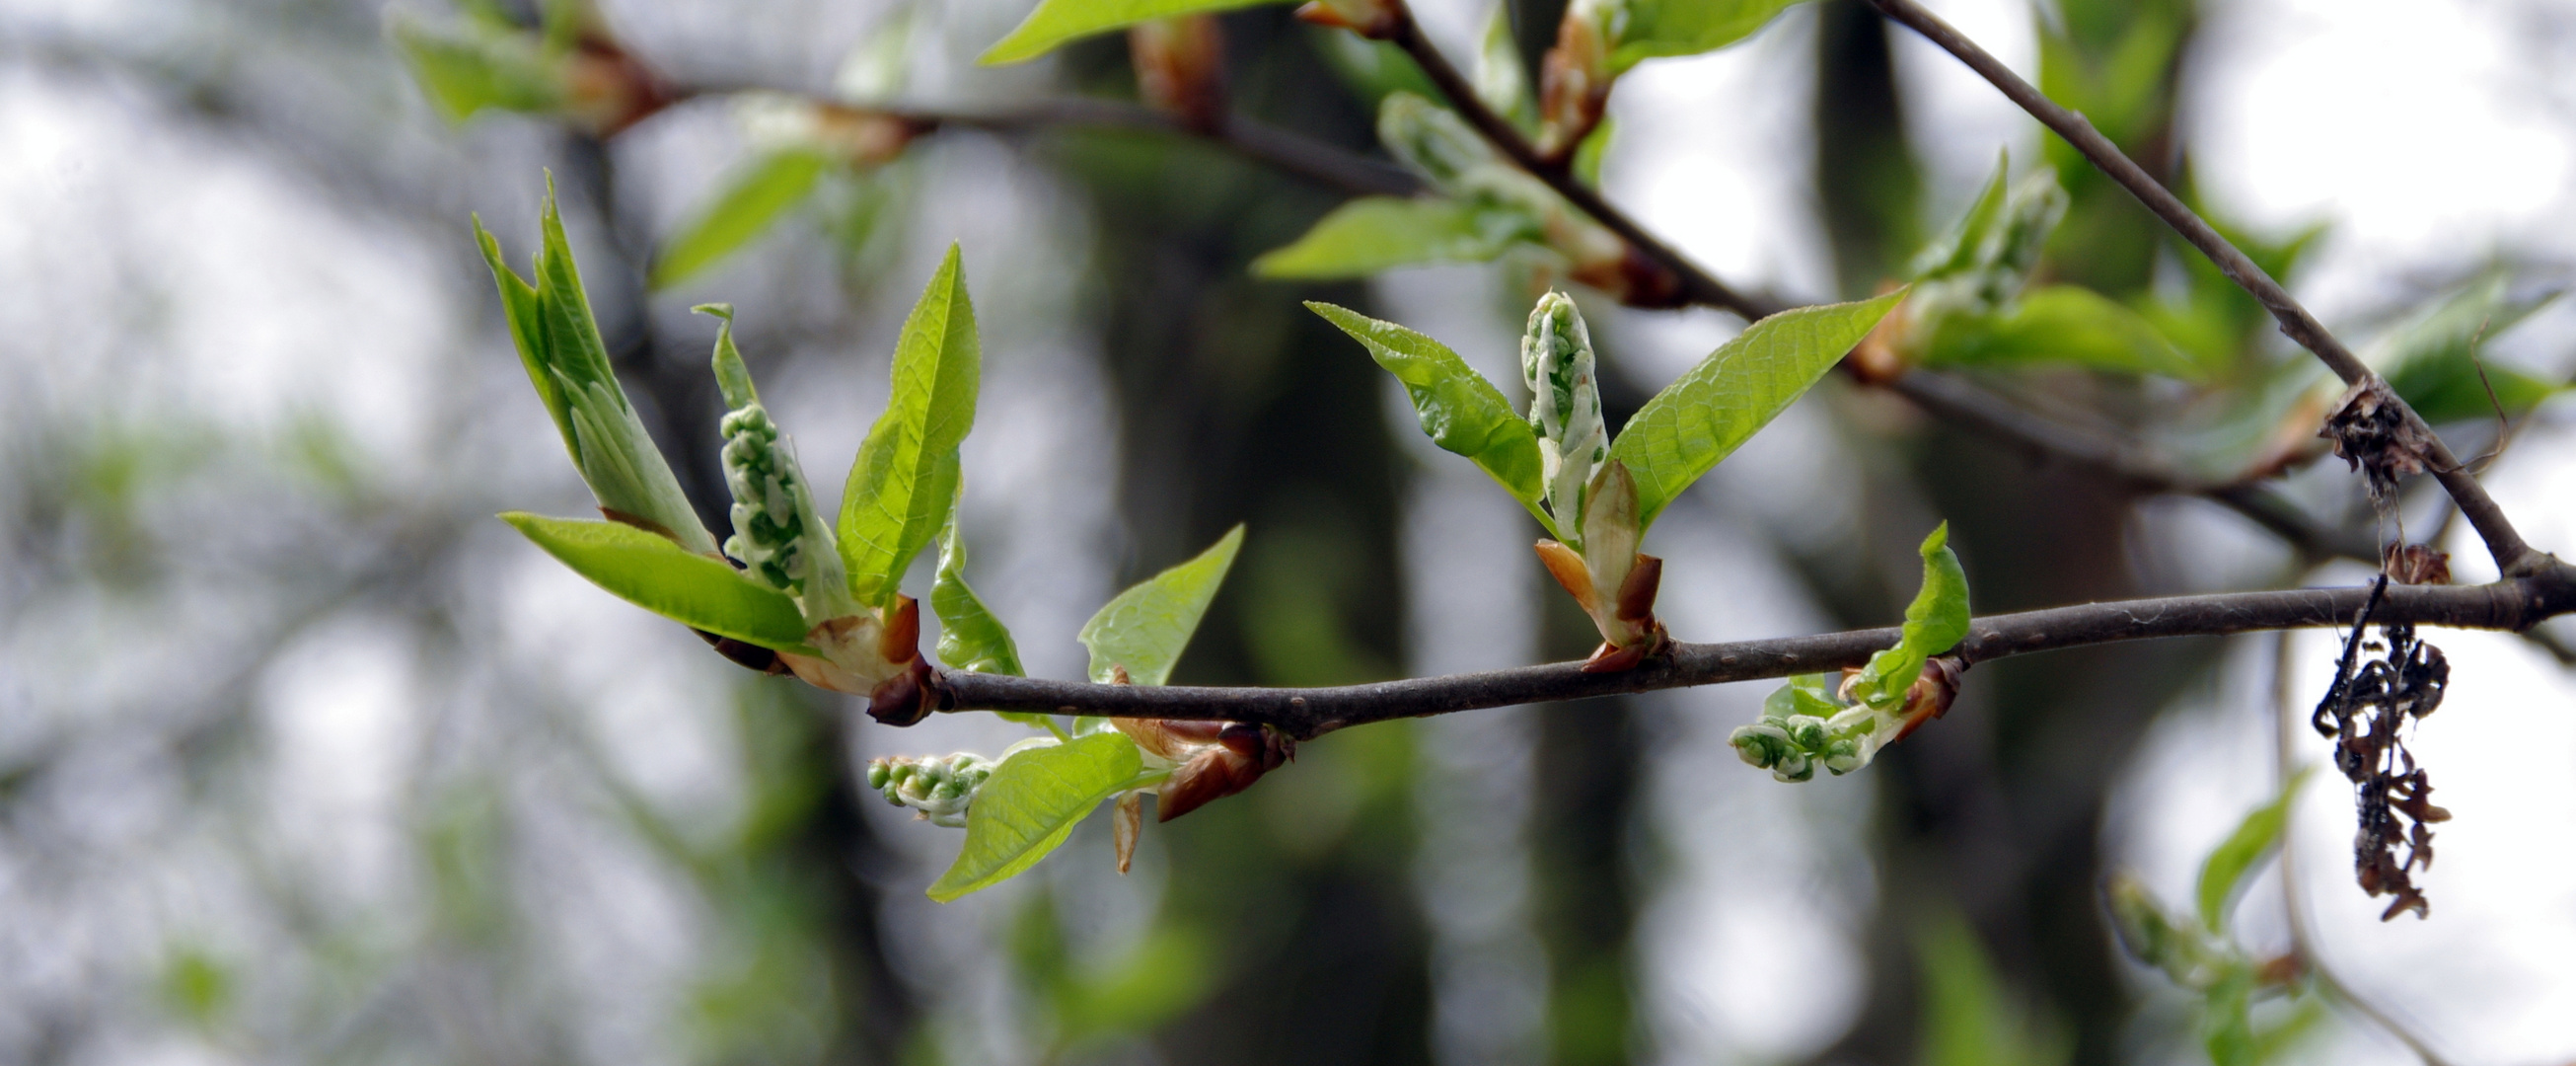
[(2255, 837), (750, 198), (1969, 1017), (1378, 233), (2431, 360), (1595, 145), (904, 481), (2227, 1019), (970, 638), (1957, 250), (1057, 21), (464, 71), (1716, 406), (1688, 27), (1145, 627), (1461, 411), (1031, 803), (659, 576), (2059, 324), (1934, 623), (559, 344)]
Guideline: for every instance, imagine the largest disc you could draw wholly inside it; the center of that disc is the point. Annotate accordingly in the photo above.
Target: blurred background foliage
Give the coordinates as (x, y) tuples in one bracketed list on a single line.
[(304, 758)]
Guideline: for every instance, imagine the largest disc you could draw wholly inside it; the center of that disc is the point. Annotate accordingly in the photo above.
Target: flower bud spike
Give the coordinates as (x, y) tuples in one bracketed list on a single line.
[(779, 535), (1558, 365)]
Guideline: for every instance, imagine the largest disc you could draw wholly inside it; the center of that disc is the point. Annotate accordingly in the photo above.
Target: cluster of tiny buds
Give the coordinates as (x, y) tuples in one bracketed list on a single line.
[(1793, 747), (768, 524), (938, 787)]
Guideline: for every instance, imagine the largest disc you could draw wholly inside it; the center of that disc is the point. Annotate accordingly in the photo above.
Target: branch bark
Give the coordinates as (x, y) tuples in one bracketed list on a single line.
[(1697, 286), (2513, 556), (2511, 604)]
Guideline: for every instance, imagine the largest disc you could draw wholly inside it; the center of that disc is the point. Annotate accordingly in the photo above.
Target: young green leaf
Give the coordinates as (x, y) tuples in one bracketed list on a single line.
[(2227, 1019), (970, 638), (1144, 629), (465, 70), (1934, 623), (1378, 233), (1716, 406), (751, 198), (2255, 837), (1957, 251), (2431, 359), (1031, 803), (1057, 21), (559, 344), (1688, 27), (659, 576), (904, 481), (2059, 324), (1461, 411)]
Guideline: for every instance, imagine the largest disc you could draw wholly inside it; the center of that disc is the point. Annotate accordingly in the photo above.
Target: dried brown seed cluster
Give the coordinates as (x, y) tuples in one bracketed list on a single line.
[(2362, 712), (2371, 433)]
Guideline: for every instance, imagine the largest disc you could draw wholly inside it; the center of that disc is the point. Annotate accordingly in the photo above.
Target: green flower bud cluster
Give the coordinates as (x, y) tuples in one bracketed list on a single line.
[(779, 536), (1805, 725), (1557, 363), (939, 788), (769, 527)]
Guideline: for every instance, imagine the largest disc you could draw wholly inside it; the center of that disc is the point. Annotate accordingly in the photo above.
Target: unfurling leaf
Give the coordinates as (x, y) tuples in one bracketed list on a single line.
[(2255, 837), (750, 198), (970, 638), (1807, 724), (559, 344), (1717, 405), (905, 479), (1139, 635), (1055, 22), (1030, 804), (1378, 233), (652, 573), (1461, 411), (1934, 623)]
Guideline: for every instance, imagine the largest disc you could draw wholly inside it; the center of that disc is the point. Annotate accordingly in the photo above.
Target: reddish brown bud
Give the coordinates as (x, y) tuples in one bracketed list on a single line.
[(1180, 68), (1374, 21), (1243, 754), (907, 697), (1566, 566)]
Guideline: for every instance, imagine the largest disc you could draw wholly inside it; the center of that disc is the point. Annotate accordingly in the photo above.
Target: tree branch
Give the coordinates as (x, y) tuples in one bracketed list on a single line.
[(1295, 153), (2512, 556), (1962, 403), (2512, 604), (1697, 286)]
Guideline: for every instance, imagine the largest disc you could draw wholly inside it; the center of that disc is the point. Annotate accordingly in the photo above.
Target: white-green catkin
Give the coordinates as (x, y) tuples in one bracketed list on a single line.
[(941, 788), (1565, 407)]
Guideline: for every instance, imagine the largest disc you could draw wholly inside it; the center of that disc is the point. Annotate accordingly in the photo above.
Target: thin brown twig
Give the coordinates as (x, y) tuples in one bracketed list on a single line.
[(2303, 937), (1963, 403), (1697, 286), (2511, 604), (2512, 555)]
